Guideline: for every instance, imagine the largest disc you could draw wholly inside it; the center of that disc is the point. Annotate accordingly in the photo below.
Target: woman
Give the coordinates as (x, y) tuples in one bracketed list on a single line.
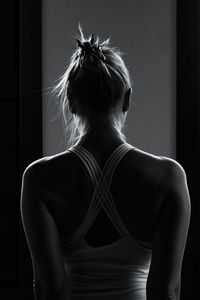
[(103, 219)]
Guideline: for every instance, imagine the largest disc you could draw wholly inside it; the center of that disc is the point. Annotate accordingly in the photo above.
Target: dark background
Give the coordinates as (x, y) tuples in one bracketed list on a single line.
[(21, 134)]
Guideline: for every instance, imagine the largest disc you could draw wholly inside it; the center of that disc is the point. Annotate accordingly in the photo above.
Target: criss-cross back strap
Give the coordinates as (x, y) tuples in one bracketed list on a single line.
[(93, 172), (94, 167), (102, 181)]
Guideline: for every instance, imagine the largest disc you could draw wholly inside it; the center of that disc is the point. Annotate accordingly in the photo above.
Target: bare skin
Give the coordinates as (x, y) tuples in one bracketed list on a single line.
[(135, 189)]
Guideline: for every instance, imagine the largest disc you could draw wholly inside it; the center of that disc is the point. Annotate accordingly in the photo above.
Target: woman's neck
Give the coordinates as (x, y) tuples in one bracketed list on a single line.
[(101, 131), (101, 136)]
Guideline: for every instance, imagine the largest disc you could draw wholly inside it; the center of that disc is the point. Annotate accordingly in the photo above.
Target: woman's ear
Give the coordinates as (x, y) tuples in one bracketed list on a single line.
[(127, 99)]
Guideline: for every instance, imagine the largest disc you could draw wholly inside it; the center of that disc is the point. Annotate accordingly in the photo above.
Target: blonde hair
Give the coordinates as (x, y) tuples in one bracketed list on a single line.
[(93, 80)]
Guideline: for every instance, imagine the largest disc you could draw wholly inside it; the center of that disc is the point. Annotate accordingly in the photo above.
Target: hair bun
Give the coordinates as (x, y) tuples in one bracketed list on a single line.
[(89, 48)]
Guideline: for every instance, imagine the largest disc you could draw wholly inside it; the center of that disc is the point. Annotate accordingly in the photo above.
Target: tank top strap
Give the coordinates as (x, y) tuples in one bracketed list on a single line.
[(101, 180)]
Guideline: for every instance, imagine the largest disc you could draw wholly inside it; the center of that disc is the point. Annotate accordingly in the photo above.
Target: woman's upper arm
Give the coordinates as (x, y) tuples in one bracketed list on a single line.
[(170, 236), (41, 231)]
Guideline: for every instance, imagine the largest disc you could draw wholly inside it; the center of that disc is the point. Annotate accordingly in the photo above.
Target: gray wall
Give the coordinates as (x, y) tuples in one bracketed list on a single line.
[(145, 31)]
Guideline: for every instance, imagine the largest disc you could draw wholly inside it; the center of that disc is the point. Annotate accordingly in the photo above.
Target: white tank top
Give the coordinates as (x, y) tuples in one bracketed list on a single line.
[(117, 271)]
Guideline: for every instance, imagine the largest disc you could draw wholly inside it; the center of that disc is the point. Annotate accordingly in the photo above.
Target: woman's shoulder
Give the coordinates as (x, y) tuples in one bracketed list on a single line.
[(145, 162), (37, 165), (47, 165), (162, 167), (36, 170)]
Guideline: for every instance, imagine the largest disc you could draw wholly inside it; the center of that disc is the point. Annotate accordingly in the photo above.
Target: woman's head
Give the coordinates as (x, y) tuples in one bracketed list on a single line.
[(96, 82)]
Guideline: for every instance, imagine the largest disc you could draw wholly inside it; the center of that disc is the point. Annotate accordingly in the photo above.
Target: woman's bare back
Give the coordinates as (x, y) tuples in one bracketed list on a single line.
[(150, 194), (135, 189)]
